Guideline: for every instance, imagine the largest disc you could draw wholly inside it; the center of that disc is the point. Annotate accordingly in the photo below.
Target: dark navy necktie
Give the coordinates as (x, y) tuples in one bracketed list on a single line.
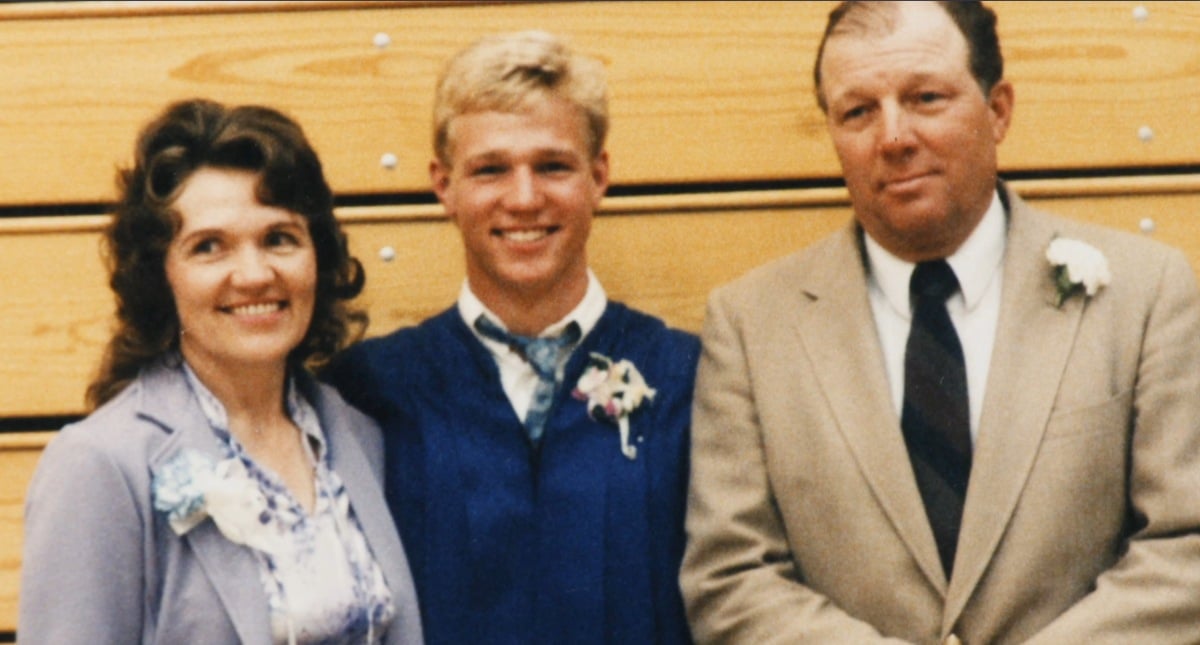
[(936, 415), (542, 354)]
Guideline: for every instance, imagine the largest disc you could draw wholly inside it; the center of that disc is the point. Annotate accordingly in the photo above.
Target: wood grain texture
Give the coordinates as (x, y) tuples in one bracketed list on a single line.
[(654, 254), (701, 92), (57, 312), (125, 8)]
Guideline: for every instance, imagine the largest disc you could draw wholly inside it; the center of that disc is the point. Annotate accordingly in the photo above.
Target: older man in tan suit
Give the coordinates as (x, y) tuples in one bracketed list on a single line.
[(1017, 461)]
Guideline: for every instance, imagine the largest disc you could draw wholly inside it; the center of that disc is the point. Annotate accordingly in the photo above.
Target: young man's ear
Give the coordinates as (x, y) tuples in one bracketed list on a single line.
[(600, 176), (439, 179)]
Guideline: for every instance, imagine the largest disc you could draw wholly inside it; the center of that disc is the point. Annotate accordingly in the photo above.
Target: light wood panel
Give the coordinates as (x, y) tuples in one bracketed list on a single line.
[(701, 92), (61, 312), (662, 254), (57, 308), (21, 9)]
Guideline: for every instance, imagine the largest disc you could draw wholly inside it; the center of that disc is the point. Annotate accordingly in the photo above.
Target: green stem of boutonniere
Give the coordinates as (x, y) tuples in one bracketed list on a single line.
[(1063, 285), (1078, 268)]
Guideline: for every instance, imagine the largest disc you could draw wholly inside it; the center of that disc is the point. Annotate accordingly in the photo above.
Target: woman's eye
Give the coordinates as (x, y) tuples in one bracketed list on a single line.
[(281, 238), (206, 246)]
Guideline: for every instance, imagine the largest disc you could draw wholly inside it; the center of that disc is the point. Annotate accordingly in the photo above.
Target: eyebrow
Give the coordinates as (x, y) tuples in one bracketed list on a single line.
[(293, 220), (915, 78), (498, 155)]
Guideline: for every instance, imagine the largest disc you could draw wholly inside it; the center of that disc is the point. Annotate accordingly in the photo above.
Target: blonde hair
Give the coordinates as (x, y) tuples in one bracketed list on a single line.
[(508, 72)]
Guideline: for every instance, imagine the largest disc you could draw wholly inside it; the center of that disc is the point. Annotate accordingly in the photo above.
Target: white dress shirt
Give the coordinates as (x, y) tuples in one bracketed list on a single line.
[(974, 310), (516, 375)]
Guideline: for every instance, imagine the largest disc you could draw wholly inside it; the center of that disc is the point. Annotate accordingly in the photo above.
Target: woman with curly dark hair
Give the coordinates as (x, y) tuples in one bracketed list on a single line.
[(232, 278)]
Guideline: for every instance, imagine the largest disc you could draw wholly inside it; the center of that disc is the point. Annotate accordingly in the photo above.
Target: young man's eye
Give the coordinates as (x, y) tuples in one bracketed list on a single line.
[(487, 170)]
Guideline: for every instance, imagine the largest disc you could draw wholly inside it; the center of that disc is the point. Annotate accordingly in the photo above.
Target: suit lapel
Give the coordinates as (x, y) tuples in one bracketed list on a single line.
[(837, 331), (230, 568), (1033, 342)]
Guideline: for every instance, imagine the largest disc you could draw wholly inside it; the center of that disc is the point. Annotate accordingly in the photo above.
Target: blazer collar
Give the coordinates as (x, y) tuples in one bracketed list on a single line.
[(1034, 337), (836, 328), (166, 399), (360, 476), (1033, 342)]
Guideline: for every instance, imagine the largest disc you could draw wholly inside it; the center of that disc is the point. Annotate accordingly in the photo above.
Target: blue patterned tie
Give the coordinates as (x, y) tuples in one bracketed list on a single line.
[(542, 355)]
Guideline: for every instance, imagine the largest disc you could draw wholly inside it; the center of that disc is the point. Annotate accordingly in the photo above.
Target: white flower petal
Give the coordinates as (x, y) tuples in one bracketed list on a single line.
[(1085, 264), (592, 378), (618, 390), (193, 488)]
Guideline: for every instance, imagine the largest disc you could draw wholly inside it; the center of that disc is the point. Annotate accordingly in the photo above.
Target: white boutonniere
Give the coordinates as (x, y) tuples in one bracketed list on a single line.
[(191, 487), (1078, 266), (613, 391)]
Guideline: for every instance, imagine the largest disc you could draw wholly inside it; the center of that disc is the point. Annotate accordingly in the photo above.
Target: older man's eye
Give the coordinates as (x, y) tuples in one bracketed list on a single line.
[(856, 112), (555, 167)]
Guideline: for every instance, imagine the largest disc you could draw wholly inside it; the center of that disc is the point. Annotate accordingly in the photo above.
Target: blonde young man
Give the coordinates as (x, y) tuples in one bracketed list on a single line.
[(531, 515), (1040, 484)]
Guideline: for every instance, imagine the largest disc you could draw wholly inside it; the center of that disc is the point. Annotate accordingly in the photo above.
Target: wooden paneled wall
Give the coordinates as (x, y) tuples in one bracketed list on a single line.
[(720, 158)]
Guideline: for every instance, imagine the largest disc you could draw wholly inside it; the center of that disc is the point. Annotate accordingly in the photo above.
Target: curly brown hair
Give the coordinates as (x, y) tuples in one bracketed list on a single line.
[(185, 137)]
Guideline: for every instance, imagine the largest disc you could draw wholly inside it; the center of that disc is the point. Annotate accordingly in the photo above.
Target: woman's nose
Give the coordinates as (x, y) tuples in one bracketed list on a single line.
[(252, 267)]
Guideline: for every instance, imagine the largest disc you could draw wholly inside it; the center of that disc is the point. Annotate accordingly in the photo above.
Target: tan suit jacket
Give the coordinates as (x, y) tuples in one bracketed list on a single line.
[(1082, 520)]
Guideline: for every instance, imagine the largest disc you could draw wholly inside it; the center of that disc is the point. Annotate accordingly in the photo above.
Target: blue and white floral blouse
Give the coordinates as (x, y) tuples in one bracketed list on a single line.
[(322, 583)]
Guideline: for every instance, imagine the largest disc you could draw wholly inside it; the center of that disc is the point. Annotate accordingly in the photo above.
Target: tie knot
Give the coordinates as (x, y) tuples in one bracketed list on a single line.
[(540, 352), (933, 279)]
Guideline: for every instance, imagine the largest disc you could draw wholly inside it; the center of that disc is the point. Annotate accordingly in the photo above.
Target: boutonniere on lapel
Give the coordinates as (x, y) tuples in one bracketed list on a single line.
[(1078, 266), (613, 391), (192, 487)]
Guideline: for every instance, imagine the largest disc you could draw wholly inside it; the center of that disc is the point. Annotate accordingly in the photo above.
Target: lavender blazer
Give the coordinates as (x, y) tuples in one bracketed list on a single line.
[(101, 566)]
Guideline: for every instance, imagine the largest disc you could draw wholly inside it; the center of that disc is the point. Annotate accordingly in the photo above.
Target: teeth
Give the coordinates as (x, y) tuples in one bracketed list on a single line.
[(531, 235), (257, 310)]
